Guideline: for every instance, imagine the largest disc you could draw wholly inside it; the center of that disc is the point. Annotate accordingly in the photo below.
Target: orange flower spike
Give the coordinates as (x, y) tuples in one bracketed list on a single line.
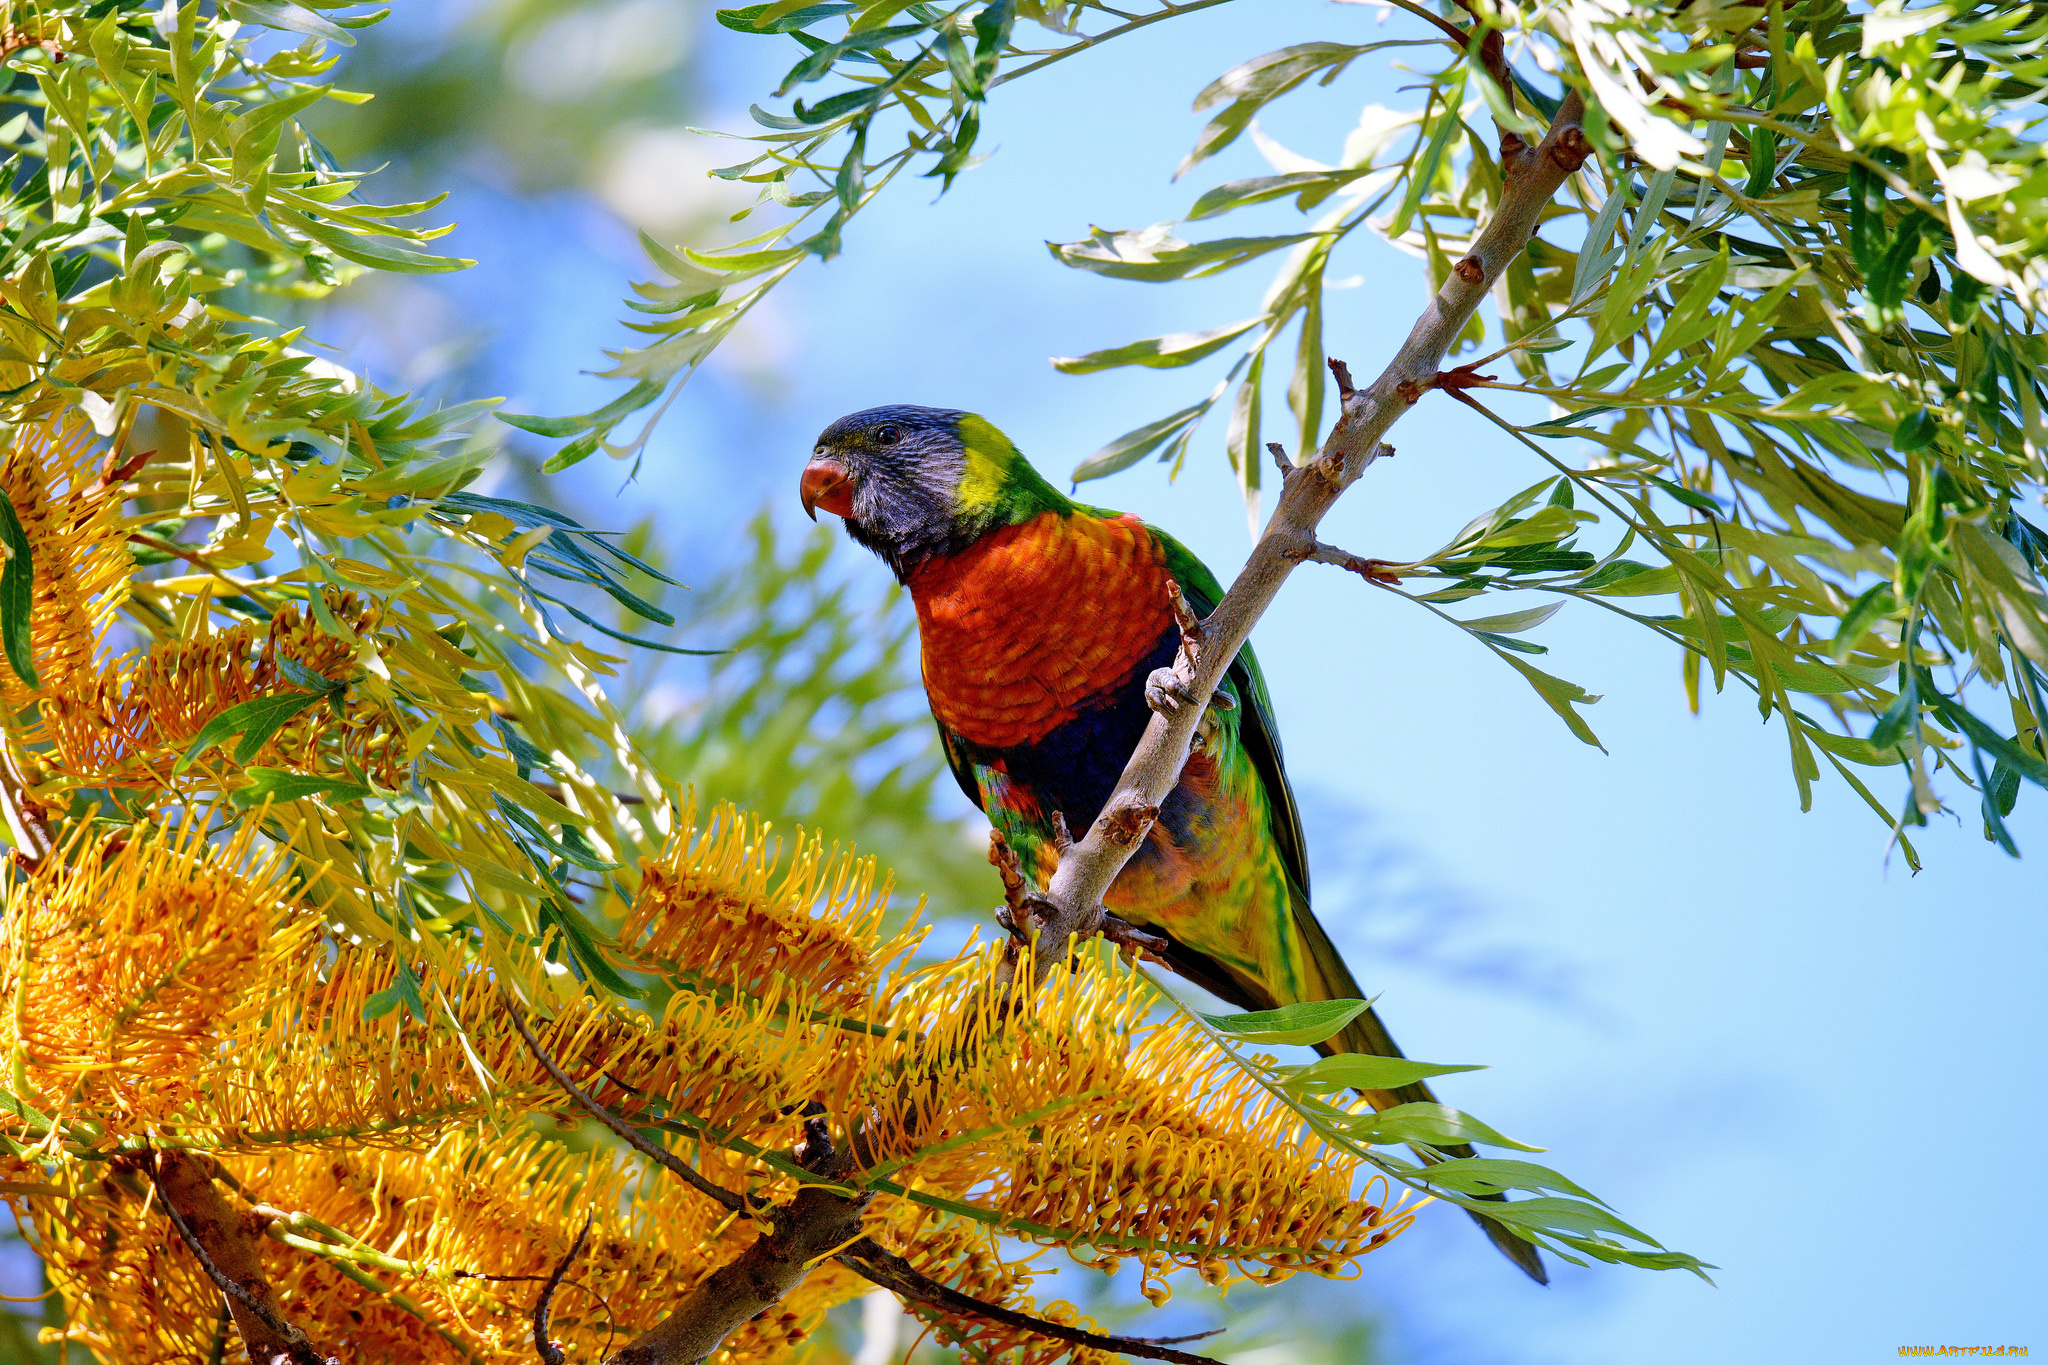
[(136, 957), (708, 907), (78, 554)]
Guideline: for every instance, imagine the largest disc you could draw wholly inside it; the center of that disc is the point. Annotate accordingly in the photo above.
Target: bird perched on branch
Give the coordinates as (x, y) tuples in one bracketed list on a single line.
[(1040, 620)]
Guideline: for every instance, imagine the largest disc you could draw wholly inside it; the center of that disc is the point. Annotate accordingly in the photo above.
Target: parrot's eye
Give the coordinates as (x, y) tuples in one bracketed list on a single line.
[(887, 436)]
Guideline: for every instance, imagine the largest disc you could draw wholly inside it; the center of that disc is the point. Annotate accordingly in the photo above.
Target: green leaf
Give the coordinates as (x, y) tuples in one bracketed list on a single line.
[(1312, 186), (1614, 1254), (2013, 586), (1915, 430), (255, 721), (1484, 1175), (17, 594), (1560, 696), (363, 251), (1153, 255), (1158, 353), (1423, 179), (302, 676), (1567, 425), (578, 450), (1432, 1125), (1626, 578), (1133, 446), (277, 784), (750, 19), (578, 854), (1359, 1071), (1980, 734), (1892, 726), (1310, 1022), (403, 990), (1544, 526), (586, 957), (1251, 85), (1699, 502), (1509, 642), (1514, 622), (1872, 606), (545, 426), (282, 14)]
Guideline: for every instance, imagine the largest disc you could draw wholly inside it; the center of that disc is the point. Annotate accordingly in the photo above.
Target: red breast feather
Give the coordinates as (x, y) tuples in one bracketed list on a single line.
[(1024, 627)]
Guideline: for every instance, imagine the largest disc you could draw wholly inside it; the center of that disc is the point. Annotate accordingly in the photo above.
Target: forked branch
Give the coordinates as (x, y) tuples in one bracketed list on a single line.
[(820, 1222), (1069, 906)]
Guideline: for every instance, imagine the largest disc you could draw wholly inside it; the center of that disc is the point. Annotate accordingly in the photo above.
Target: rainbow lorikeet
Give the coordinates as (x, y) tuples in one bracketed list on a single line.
[(1040, 620)]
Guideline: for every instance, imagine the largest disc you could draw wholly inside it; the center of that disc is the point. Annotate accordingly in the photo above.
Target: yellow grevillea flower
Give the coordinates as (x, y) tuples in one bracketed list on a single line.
[(1079, 1122), (77, 548), (440, 1262), (713, 910), (165, 985), (164, 991), (314, 1069), (129, 725), (127, 965)]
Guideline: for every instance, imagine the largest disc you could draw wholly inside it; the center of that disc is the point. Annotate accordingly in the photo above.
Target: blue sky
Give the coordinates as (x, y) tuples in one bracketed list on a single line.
[(1790, 1057)]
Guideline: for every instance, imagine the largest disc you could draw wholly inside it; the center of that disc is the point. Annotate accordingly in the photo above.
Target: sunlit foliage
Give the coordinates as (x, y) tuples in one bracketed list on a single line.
[(1793, 304), (321, 790)]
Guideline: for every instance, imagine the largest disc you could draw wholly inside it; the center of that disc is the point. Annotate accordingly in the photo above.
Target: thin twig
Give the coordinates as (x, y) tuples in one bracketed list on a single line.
[(653, 1151), (1166, 13), (1385, 572), (551, 1354), (892, 1272)]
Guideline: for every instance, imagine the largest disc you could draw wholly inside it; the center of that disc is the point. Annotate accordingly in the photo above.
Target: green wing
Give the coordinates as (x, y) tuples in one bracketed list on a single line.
[(1259, 735), (963, 771), (1256, 729), (1260, 738)]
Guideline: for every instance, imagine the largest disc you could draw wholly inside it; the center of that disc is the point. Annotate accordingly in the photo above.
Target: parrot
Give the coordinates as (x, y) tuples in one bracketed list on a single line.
[(1039, 621)]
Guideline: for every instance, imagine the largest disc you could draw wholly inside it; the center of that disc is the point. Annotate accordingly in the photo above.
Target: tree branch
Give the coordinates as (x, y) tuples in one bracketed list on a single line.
[(778, 1261), (1069, 906), (634, 1138), (815, 1224), (892, 1272), (226, 1247)]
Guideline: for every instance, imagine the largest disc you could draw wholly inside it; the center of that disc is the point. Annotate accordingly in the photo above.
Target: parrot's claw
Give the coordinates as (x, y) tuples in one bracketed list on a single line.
[(1023, 919), (1033, 910), (1165, 693), (1134, 943), (1011, 869)]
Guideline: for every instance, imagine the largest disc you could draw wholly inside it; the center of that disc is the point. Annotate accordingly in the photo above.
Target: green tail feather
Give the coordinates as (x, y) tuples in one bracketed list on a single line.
[(1368, 1035)]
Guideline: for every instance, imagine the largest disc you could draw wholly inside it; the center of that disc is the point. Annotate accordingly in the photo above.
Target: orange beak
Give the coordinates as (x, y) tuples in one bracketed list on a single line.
[(827, 485)]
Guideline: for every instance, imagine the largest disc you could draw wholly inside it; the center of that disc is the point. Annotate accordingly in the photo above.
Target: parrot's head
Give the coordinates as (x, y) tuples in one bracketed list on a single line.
[(915, 483)]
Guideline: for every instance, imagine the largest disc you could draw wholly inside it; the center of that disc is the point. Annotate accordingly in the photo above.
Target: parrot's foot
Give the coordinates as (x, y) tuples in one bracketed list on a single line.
[(1010, 868), (1033, 911), (1134, 943), (1128, 823), (1166, 694), (1025, 916)]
